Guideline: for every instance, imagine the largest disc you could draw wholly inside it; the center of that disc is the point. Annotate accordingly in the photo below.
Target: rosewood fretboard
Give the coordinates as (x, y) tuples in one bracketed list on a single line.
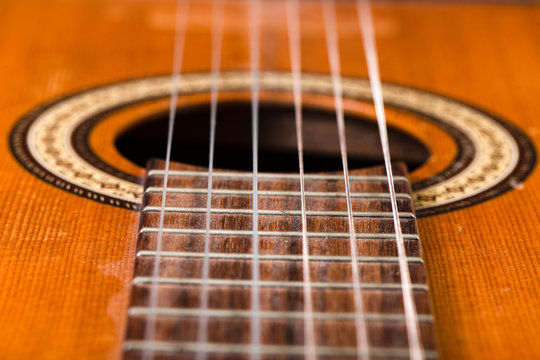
[(280, 264)]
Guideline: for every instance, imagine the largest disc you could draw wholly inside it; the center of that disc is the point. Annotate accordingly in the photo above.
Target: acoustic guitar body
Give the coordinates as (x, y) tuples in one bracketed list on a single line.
[(84, 98)]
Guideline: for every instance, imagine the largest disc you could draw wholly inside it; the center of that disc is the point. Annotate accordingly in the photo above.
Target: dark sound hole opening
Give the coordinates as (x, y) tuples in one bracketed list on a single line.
[(277, 139)]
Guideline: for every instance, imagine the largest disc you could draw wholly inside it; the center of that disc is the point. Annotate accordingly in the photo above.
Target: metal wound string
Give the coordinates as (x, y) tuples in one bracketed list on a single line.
[(293, 27), (362, 344), (182, 11), (217, 40), (370, 49), (254, 52)]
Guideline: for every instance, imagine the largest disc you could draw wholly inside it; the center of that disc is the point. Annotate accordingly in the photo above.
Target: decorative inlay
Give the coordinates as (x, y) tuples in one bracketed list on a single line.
[(494, 156)]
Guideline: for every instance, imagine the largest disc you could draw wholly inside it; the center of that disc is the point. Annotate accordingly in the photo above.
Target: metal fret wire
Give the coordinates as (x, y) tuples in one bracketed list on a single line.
[(276, 350), (272, 314), (362, 343), (293, 32), (217, 37), (274, 176), (327, 235), (366, 214), (370, 50), (273, 283), (182, 8), (278, 257), (254, 52), (276, 193)]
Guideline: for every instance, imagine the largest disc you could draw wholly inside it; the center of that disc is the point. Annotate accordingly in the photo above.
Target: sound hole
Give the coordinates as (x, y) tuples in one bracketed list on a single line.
[(277, 139)]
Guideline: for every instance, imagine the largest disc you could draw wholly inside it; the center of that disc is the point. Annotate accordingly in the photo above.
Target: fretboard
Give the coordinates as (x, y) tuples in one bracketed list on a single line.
[(178, 286)]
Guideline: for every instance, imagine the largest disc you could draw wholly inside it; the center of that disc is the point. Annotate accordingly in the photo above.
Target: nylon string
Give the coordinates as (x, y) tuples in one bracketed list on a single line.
[(254, 52), (362, 344), (217, 39), (293, 27), (370, 49), (182, 12)]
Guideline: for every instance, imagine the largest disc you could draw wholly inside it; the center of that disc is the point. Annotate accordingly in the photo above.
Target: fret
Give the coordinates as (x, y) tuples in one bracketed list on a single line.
[(280, 287), (275, 233), (362, 195), (280, 284), (365, 214), (277, 203), (278, 299), (283, 224), (236, 256), (286, 315), (273, 245), (272, 270), (240, 175), (275, 350)]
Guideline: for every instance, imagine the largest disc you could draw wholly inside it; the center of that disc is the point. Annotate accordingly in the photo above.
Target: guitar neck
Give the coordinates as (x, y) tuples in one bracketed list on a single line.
[(166, 300)]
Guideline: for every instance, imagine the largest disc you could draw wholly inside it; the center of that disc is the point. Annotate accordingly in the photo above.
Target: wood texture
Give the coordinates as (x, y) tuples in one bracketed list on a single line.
[(384, 335), (66, 262)]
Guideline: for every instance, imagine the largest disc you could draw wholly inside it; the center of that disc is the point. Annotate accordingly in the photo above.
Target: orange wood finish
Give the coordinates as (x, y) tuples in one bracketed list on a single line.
[(66, 262)]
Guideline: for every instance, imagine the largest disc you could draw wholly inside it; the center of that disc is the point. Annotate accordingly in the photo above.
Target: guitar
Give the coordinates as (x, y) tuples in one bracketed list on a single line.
[(85, 96)]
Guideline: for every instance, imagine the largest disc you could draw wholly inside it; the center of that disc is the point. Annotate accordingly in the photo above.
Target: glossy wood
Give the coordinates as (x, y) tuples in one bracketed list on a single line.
[(66, 262), (281, 330)]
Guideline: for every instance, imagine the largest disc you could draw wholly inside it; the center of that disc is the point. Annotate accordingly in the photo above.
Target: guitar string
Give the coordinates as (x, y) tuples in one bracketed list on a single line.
[(370, 50), (328, 7), (217, 40), (293, 27), (254, 54), (182, 12)]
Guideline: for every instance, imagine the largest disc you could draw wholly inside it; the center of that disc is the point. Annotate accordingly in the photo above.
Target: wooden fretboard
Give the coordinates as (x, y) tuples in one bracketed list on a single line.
[(280, 263)]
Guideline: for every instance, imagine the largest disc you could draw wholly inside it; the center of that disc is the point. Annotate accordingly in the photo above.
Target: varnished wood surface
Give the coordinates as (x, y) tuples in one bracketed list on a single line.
[(65, 262), (175, 330)]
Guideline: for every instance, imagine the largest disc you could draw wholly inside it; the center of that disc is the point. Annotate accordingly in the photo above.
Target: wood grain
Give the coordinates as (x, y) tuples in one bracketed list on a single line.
[(280, 331), (66, 263)]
